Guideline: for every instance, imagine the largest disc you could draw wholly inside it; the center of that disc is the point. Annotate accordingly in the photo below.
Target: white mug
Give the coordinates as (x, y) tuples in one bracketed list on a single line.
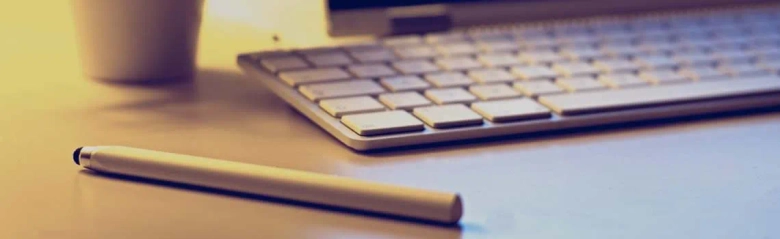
[(138, 40)]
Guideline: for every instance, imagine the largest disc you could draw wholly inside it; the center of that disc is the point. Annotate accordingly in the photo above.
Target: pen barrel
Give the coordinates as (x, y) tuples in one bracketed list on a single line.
[(277, 182)]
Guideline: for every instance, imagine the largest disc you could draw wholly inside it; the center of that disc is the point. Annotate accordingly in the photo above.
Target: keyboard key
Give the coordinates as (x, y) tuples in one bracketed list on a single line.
[(493, 92), (329, 59), (648, 25), (578, 84), (577, 41), (387, 122), (411, 67), (321, 91), (534, 72), (659, 40), (318, 50), (375, 55), (770, 65), (692, 38), (570, 69), (570, 30), (690, 45), (592, 102), (370, 70), (537, 88), (582, 53), (536, 33), (651, 62), (745, 69), (615, 65), (539, 44), (760, 41), (660, 48), (624, 50), (499, 45), (611, 28), (486, 76), (404, 100), (298, 77), (696, 58), (276, 64), (414, 52), (450, 96), (362, 46), (685, 23), (402, 40), (697, 46), (757, 18), (540, 57), (404, 83), (353, 105), (721, 19), (702, 73), (498, 60), (662, 76), (455, 49), (457, 63), (446, 116), (730, 43), (626, 38), (480, 35), (511, 110), (447, 37), (692, 35), (655, 36), (270, 54), (733, 56), (622, 80), (448, 79), (767, 54), (532, 33)]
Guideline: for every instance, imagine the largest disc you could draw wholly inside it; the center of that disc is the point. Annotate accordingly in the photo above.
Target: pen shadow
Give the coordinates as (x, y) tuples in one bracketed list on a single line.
[(456, 227)]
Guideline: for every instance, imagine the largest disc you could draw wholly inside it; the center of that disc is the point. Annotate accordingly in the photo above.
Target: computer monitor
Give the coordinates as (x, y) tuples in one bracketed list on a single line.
[(389, 17)]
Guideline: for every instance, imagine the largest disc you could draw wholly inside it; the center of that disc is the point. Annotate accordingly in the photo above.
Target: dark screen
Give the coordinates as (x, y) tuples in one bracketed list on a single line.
[(358, 4)]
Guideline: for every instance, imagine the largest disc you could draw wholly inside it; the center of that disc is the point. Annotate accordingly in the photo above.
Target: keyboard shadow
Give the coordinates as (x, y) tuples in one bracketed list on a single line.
[(542, 138)]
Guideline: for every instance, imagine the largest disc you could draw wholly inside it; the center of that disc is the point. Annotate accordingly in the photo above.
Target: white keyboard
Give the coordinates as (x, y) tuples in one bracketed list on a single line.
[(491, 81)]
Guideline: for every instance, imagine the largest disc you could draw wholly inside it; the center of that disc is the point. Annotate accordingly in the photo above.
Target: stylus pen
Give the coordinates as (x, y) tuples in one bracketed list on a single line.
[(273, 182)]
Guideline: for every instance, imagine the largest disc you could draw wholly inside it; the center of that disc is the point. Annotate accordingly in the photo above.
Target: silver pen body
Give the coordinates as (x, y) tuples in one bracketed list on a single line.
[(274, 182)]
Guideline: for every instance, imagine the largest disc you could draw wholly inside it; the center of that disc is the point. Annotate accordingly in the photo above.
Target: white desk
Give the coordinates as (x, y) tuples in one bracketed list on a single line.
[(713, 178)]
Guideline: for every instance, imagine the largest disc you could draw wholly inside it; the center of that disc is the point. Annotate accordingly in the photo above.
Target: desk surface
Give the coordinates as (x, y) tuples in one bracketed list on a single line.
[(711, 178)]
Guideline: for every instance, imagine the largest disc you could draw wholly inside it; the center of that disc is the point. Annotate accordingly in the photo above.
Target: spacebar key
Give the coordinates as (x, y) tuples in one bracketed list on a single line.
[(601, 101)]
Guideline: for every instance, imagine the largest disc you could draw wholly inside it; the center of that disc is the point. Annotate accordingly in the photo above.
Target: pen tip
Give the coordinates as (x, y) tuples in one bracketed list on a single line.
[(76, 155)]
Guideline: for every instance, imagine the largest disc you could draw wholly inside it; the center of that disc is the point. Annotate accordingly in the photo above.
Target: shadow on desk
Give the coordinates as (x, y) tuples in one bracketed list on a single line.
[(573, 136), (212, 86), (215, 98)]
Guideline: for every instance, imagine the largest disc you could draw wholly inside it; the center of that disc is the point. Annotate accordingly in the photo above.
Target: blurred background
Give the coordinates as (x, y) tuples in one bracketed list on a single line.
[(229, 27)]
